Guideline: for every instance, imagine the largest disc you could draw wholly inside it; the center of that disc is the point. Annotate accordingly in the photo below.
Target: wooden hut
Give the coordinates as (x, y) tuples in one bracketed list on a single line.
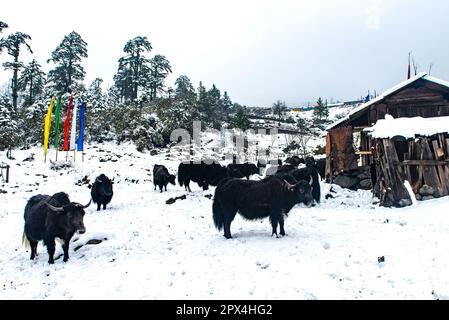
[(395, 158)]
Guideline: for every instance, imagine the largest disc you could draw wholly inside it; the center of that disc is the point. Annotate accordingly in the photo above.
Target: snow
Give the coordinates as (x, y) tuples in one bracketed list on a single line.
[(408, 127), (422, 75), (159, 251)]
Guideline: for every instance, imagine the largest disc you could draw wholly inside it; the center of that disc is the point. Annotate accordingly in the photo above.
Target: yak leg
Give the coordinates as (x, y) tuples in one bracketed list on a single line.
[(65, 248), (50, 243), (33, 245), (281, 225), (274, 224), (228, 217), (98, 206), (104, 206), (165, 187)]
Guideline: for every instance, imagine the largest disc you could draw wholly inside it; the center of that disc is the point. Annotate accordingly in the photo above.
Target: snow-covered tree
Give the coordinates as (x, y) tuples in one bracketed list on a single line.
[(134, 69), (96, 113), (321, 111), (68, 73), (12, 44), (160, 69), (8, 124), (3, 25), (279, 108), (184, 87), (32, 82)]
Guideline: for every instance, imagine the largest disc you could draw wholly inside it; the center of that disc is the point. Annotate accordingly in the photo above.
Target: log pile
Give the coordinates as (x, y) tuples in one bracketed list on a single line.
[(425, 165)]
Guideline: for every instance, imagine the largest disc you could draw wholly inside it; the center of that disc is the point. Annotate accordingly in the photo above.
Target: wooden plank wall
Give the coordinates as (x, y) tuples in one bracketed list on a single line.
[(425, 163)]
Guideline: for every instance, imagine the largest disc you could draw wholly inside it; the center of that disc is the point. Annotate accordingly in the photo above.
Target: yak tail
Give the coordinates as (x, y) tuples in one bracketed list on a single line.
[(218, 213), (25, 241)]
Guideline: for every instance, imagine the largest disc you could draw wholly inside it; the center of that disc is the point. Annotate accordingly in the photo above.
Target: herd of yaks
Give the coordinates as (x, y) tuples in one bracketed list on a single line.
[(50, 217)]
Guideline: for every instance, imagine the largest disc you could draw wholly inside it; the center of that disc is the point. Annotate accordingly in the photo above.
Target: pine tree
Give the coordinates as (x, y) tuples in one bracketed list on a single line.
[(12, 44), (3, 25), (184, 88), (98, 128), (32, 80), (68, 73), (240, 119), (160, 68), (225, 106), (321, 111), (8, 125), (134, 69)]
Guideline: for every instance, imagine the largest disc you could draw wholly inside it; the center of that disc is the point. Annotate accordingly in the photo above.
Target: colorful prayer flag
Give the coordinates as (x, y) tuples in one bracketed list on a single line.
[(80, 145), (57, 112), (47, 125), (66, 125)]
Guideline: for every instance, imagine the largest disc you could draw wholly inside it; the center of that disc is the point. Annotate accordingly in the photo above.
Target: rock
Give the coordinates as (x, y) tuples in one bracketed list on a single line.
[(426, 190), (208, 196), (366, 184), (418, 197), (381, 259), (405, 203), (347, 182), (425, 198), (154, 152)]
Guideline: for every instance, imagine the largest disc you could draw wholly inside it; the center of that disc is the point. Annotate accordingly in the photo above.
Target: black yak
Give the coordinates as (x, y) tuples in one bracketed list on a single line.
[(201, 173), (102, 191), (161, 177), (47, 218), (242, 170), (272, 197)]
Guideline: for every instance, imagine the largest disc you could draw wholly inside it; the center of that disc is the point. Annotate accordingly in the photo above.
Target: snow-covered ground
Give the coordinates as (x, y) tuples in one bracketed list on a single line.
[(159, 251)]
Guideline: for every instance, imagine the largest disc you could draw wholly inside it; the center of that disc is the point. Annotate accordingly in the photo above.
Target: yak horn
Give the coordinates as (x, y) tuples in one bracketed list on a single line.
[(311, 180), (289, 185), (56, 209), (84, 207)]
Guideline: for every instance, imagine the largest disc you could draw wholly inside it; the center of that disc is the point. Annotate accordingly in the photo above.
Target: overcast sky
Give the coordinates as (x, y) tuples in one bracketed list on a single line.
[(259, 51)]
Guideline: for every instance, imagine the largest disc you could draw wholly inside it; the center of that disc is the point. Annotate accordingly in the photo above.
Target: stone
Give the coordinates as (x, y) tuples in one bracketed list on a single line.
[(425, 198), (426, 190), (347, 182), (366, 184)]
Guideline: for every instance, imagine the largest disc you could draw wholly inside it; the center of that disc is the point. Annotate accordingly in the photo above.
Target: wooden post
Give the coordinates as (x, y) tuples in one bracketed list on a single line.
[(7, 173), (56, 154), (442, 170), (430, 172), (394, 182)]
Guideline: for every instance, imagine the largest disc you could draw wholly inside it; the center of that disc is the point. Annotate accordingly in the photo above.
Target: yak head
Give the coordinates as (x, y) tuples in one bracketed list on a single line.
[(104, 185), (73, 213), (171, 178), (301, 191)]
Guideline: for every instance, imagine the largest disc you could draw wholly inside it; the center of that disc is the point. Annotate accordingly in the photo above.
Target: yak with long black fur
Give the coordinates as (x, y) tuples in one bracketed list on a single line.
[(161, 177), (47, 218), (102, 191), (202, 173), (272, 197), (240, 170)]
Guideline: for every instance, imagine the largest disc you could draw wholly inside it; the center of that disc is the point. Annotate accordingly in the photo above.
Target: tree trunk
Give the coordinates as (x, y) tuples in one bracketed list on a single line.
[(14, 82)]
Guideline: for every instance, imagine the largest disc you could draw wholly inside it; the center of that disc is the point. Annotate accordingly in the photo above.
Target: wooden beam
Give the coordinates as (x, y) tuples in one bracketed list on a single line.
[(423, 163), (363, 153)]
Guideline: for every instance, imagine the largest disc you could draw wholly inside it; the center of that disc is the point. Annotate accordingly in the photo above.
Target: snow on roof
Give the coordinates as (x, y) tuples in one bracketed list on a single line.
[(387, 93), (408, 127)]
